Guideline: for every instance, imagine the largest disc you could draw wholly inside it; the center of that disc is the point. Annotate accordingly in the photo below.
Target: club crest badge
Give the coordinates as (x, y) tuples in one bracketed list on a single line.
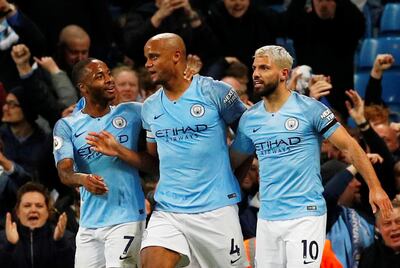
[(291, 124), (197, 110), (119, 122)]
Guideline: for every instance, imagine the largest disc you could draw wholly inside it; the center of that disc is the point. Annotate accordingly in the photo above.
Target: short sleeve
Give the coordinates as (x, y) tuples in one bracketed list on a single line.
[(62, 143), (146, 126), (323, 119), (229, 104)]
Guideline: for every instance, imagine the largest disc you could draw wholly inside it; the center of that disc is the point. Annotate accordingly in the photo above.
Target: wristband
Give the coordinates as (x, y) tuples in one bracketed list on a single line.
[(363, 125)]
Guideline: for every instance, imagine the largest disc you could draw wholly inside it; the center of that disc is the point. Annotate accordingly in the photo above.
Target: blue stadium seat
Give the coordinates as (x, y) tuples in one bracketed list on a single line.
[(368, 52), (373, 46), (391, 87), (360, 82), (390, 20), (390, 45)]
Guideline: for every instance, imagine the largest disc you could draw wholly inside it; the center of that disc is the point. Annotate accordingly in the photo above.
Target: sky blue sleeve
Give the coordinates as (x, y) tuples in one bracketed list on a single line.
[(229, 104), (146, 126), (323, 119), (62, 143), (242, 143)]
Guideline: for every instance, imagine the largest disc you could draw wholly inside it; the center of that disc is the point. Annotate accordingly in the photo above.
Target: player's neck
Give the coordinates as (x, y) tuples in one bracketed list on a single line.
[(175, 88), (276, 100), (96, 109)]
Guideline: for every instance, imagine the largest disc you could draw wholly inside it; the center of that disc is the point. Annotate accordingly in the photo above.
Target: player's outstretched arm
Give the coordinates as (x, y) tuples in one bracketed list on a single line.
[(104, 142), (93, 183), (377, 196)]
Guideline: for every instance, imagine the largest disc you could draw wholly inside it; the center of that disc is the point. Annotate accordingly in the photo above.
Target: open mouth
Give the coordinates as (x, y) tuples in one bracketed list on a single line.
[(395, 237), (33, 218)]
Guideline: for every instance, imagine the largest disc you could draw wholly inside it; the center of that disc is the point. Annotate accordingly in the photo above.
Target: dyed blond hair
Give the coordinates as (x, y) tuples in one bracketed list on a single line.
[(277, 54)]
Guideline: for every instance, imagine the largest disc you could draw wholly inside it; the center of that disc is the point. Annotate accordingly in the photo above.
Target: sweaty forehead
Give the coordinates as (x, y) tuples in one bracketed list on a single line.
[(261, 60)]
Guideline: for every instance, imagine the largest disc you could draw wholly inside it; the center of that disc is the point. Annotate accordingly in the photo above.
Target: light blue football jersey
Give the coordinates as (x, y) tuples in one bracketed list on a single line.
[(287, 144), (124, 201), (195, 170)]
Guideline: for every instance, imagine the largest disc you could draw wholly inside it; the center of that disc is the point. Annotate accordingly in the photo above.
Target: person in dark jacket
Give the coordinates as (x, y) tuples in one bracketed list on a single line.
[(32, 241), (326, 39), (385, 251)]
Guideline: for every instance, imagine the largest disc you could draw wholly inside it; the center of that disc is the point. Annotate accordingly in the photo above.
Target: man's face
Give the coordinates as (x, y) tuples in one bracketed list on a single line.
[(390, 229), (12, 111), (388, 135), (33, 211), (159, 61), (266, 76), (325, 9), (351, 195), (76, 49), (98, 84), (127, 85)]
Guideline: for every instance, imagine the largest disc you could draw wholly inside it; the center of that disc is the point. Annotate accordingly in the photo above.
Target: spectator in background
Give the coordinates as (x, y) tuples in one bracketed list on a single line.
[(32, 241), (174, 16), (9, 184), (373, 92), (326, 39), (241, 28), (127, 84), (73, 46), (15, 28), (385, 251), (25, 144)]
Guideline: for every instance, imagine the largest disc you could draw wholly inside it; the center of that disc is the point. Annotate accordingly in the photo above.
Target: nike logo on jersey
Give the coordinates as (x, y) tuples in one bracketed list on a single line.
[(232, 262), (123, 258), (78, 134), (256, 129), (158, 116), (308, 262)]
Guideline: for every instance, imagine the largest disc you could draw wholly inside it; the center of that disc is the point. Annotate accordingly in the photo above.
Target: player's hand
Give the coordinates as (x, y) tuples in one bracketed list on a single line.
[(193, 66), (357, 110), (94, 184), (103, 142), (11, 230), (375, 158), (60, 228), (379, 199), (48, 64)]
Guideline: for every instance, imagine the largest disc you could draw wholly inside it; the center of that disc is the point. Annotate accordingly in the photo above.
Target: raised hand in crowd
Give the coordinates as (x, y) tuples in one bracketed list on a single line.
[(48, 64), (6, 9), (382, 63), (356, 107), (319, 86), (11, 230), (194, 65), (167, 7), (60, 227), (20, 54)]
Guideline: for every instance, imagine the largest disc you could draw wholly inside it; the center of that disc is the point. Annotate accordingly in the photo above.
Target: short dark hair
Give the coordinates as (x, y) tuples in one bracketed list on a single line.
[(33, 187), (78, 70)]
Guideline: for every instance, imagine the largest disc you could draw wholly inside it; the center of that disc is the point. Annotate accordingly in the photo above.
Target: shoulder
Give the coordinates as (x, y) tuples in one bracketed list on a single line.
[(153, 98), (209, 84), (128, 106)]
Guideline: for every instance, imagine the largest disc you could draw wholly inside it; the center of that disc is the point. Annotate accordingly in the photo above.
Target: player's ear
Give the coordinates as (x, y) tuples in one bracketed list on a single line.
[(82, 89), (284, 74), (177, 56)]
